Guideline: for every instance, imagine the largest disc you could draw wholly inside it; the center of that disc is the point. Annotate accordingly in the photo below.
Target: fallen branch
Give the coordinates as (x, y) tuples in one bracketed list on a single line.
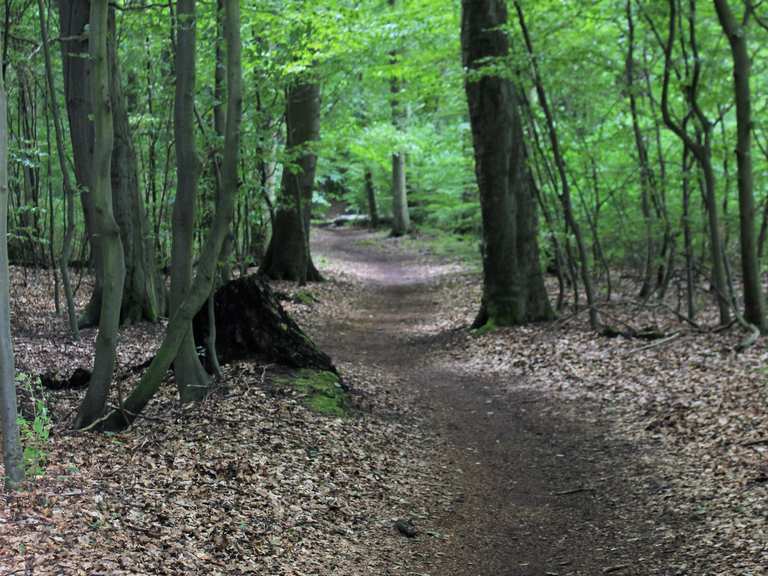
[(573, 491), (661, 342)]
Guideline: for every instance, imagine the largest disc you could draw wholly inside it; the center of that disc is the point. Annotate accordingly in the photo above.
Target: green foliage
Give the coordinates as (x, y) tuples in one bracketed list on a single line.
[(34, 432)]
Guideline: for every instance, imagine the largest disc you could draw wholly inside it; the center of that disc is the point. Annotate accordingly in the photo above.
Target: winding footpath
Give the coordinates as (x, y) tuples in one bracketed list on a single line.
[(538, 492)]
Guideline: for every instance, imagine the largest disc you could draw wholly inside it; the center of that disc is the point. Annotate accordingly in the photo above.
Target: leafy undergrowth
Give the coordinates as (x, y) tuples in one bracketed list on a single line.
[(252, 481)]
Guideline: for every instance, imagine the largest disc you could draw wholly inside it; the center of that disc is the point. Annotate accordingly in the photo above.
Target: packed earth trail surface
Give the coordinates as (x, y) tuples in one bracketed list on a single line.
[(522, 486)]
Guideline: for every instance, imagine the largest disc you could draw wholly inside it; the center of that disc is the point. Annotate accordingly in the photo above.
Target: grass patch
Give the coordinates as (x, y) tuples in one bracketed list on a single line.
[(321, 391)]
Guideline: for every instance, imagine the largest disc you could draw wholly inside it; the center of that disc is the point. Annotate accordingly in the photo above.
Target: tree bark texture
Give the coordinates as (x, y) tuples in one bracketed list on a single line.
[(105, 226), (288, 255), (179, 327), (191, 379), (401, 220), (754, 301), (251, 323), (141, 298), (513, 283), (12, 454)]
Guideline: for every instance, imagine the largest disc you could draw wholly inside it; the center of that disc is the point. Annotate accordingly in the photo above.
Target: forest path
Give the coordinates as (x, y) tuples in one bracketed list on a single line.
[(538, 492)]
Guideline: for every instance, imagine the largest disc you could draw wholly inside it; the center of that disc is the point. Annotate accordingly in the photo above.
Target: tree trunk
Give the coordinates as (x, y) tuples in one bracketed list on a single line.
[(647, 180), (701, 151), (108, 234), (288, 255), (754, 302), (73, 26), (370, 194), (401, 220), (12, 453), (69, 192), (565, 196), (140, 296), (141, 290), (179, 327), (513, 284), (191, 379)]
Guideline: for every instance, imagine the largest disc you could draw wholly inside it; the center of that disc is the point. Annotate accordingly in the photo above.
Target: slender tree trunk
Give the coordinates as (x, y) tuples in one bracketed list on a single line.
[(12, 453), (513, 284), (73, 24), (288, 255), (108, 234), (565, 193), (647, 181), (701, 151), (401, 220), (754, 302), (191, 379), (180, 324), (370, 195), (69, 192)]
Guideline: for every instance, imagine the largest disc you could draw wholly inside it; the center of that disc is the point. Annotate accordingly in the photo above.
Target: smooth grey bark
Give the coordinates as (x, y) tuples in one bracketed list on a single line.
[(12, 454), (106, 229), (140, 295), (288, 256), (191, 379), (141, 290), (513, 284), (754, 301), (69, 192), (181, 322)]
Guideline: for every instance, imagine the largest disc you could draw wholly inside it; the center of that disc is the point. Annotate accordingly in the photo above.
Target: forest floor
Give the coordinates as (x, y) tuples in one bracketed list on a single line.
[(541, 450)]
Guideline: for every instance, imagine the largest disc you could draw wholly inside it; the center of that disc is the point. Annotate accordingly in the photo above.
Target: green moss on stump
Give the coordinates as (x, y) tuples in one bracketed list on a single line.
[(321, 390)]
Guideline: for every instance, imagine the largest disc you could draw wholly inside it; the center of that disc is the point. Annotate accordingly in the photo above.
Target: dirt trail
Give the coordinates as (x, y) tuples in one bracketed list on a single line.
[(538, 492)]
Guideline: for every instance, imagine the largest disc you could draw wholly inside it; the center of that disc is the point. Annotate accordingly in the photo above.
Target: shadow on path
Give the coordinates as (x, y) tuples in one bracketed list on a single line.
[(538, 492)]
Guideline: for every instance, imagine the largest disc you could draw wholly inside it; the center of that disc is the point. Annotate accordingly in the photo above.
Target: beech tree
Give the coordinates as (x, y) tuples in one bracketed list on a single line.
[(107, 233), (288, 255), (12, 454), (513, 283), (179, 327), (754, 301), (191, 378)]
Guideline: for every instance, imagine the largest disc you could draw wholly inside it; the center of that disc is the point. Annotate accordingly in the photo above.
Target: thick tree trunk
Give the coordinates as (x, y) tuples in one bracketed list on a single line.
[(108, 234), (12, 453), (191, 379), (141, 290), (252, 324), (754, 302), (288, 256), (73, 26), (513, 284)]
